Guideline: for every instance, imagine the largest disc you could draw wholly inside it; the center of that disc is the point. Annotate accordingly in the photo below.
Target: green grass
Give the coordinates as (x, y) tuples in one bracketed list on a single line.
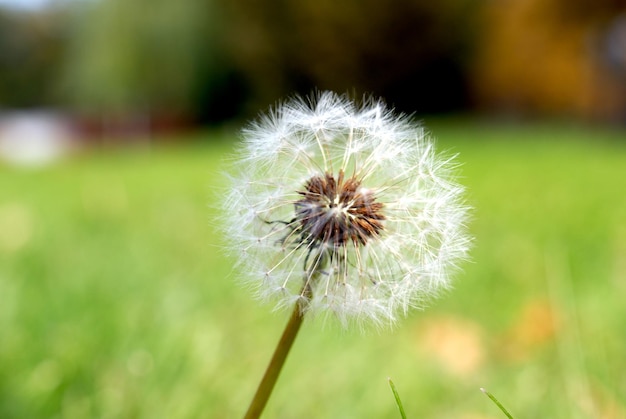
[(117, 302)]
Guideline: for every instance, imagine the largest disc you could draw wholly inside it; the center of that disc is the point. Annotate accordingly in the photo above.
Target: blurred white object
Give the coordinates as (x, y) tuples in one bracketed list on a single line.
[(34, 138), (25, 4)]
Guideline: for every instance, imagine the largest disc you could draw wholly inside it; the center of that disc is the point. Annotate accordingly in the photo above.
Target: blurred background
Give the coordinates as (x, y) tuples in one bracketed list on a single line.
[(115, 116), (135, 65)]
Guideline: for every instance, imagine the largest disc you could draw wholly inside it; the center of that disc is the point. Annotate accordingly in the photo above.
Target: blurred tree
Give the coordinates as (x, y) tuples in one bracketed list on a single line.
[(540, 56), (412, 52), (147, 56), (209, 60), (31, 50)]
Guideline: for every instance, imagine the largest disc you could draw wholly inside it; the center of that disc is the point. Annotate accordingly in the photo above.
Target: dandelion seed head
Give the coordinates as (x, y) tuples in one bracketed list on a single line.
[(348, 202)]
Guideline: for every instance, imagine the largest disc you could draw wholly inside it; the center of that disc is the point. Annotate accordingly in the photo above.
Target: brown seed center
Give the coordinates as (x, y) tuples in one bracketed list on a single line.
[(334, 211)]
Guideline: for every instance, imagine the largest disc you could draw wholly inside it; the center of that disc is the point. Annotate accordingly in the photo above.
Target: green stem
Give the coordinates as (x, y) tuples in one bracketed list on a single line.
[(497, 403), (276, 364), (397, 397)]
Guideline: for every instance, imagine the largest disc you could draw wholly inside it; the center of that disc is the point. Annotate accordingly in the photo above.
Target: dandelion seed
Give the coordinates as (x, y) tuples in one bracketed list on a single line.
[(345, 206)]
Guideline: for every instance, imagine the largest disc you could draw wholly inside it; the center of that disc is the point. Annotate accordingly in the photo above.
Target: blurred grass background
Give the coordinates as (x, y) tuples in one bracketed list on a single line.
[(117, 302)]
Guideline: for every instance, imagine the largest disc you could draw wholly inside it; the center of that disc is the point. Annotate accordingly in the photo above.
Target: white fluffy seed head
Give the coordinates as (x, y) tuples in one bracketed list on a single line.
[(347, 205)]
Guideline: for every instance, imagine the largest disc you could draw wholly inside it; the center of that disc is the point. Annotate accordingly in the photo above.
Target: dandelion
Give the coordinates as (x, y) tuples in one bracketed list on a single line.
[(342, 209), (347, 204)]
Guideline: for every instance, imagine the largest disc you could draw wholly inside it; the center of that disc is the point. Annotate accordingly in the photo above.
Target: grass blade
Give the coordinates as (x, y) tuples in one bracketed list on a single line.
[(493, 399), (397, 397)]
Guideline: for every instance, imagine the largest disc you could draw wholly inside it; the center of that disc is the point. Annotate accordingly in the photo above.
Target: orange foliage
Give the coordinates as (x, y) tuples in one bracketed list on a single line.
[(528, 62), (538, 56)]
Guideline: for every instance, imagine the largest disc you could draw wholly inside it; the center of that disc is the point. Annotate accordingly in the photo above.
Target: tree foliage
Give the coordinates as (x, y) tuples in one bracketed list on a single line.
[(31, 51), (129, 54), (222, 58), (412, 52)]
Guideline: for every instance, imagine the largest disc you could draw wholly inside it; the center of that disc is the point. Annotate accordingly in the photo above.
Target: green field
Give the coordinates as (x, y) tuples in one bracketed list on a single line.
[(116, 300)]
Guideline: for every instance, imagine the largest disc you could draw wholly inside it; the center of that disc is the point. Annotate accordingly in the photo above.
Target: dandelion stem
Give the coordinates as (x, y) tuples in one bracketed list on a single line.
[(276, 364)]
